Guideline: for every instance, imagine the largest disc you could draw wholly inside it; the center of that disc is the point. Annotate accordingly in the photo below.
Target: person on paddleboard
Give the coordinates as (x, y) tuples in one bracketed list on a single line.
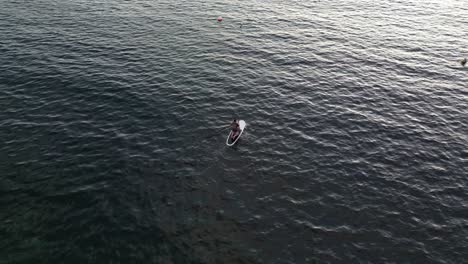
[(463, 62), (235, 128)]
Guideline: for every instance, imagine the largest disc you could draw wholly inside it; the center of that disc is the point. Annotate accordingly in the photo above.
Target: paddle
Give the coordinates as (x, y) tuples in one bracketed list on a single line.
[(217, 131)]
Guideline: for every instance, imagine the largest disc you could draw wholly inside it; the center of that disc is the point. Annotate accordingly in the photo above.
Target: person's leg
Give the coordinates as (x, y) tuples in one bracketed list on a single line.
[(234, 134)]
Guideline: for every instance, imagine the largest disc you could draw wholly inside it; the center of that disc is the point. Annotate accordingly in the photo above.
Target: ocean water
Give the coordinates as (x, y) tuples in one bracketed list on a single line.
[(114, 116)]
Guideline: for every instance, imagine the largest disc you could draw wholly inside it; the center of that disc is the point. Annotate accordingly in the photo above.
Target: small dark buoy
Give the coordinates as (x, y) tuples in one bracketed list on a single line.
[(220, 18), (463, 62), (220, 215)]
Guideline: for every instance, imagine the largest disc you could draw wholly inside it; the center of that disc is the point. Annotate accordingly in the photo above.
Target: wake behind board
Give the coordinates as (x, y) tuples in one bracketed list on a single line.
[(229, 140)]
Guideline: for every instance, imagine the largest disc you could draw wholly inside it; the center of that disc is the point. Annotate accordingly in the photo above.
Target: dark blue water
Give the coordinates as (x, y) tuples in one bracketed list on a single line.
[(114, 116)]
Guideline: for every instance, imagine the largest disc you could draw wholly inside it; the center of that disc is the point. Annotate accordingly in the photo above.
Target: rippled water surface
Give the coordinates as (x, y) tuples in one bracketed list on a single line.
[(114, 115)]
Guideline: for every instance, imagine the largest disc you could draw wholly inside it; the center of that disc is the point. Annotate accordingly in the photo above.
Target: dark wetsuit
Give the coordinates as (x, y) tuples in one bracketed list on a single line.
[(235, 130)]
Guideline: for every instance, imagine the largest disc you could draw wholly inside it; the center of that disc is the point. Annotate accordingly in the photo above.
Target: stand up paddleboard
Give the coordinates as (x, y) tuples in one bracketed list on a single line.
[(229, 140)]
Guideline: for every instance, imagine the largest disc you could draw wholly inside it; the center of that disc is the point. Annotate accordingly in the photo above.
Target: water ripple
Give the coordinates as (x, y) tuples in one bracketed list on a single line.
[(114, 117)]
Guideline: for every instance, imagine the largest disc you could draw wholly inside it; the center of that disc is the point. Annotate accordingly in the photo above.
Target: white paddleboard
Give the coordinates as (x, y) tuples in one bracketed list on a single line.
[(230, 142)]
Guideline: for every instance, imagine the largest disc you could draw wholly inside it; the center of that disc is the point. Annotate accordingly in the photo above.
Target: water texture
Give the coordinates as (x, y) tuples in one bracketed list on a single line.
[(114, 115)]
